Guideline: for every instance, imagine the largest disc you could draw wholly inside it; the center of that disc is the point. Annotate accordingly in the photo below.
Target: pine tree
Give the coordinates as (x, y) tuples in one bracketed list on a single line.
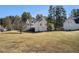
[(59, 15), (50, 13), (75, 13)]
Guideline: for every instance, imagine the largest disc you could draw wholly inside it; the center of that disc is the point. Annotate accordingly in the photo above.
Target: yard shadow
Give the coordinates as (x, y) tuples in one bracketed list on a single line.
[(36, 32), (31, 32), (19, 32)]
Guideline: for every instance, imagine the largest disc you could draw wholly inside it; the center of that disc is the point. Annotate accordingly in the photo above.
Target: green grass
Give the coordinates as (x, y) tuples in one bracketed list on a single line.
[(55, 41)]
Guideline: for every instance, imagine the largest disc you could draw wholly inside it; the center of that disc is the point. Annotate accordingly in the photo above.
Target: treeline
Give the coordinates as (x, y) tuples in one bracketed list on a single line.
[(56, 15), (14, 22)]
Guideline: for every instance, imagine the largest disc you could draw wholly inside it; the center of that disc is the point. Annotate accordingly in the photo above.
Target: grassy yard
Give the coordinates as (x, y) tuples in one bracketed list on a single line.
[(55, 41)]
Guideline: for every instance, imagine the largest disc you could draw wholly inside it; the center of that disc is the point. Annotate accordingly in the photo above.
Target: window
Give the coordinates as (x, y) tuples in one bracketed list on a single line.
[(40, 24), (31, 21), (27, 24), (76, 20)]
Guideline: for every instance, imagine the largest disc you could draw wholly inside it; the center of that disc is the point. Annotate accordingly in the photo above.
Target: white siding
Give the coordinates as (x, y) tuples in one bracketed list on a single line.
[(70, 25), (26, 26), (41, 26), (38, 25)]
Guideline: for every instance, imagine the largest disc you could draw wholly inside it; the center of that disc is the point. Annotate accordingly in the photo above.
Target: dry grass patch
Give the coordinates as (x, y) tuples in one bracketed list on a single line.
[(55, 41)]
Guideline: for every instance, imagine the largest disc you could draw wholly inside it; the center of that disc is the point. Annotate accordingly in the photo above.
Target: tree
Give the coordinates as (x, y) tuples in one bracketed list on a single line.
[(25, 16), (20, 26), (39, 16), (16, 22), (50, 15), (49, 19), (75, 13), (59, 15), (1, 21), (8, 23), (49, 28), (12, 19)]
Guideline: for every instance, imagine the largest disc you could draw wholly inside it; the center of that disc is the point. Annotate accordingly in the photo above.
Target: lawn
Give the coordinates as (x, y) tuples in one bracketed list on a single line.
[(55, 41)]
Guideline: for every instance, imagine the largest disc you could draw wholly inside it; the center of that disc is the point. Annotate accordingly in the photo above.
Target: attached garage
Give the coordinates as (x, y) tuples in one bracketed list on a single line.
[(32, 30)]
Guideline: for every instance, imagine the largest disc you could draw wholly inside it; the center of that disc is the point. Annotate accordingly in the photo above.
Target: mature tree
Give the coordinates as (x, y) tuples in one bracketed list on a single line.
[(50, 15), (59, 15), (75, 13), (39, 16), (49, 19), (21, 26), (1, 21), (12, 18), (16, 22), (25, 16), (8, 23)]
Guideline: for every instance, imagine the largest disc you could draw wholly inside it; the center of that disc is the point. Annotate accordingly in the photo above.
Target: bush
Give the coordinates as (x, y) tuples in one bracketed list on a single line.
[(50, 27)]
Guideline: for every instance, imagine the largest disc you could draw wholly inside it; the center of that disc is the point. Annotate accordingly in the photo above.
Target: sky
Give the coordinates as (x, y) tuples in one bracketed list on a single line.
[(7, 10)]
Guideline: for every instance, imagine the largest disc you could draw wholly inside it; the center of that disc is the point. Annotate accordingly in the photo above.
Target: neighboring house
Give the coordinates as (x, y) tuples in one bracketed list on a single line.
[(71, 23), (41, 25), (27, 25), (35, 25), (2, 29)]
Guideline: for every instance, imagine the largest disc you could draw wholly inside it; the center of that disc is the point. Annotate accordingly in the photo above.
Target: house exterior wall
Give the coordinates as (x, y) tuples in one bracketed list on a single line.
[(70, 25), (41, 26), (26, 26), (38, 25)]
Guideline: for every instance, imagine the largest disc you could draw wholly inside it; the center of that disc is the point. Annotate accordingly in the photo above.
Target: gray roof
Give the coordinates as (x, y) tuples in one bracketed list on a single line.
[(33, 20), (71, 17)]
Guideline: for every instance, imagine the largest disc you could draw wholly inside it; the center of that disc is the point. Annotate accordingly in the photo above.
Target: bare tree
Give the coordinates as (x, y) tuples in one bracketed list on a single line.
[(20, 26)]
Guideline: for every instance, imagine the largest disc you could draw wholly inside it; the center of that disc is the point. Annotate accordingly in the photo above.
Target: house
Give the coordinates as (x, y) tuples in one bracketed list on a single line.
[(35, 25), (41, 25), (2, 29), (72, 23)]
